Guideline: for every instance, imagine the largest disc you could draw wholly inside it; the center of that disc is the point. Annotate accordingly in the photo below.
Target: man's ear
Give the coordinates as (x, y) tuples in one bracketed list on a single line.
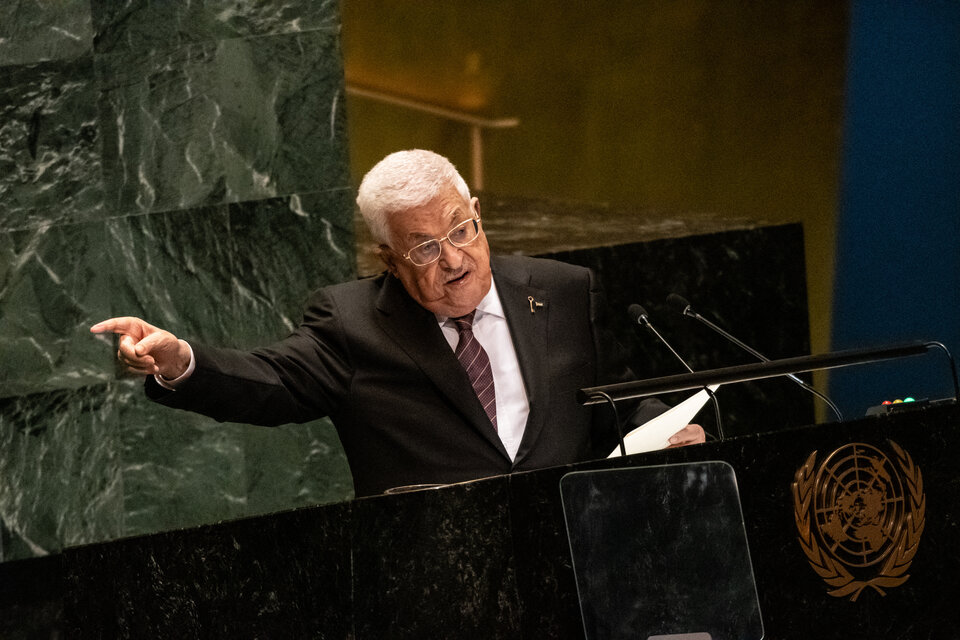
[(475, 203), (388, 258)]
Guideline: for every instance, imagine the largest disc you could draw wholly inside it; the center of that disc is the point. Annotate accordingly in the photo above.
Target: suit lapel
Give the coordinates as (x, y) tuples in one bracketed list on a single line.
[(528, 331), (416, 331)]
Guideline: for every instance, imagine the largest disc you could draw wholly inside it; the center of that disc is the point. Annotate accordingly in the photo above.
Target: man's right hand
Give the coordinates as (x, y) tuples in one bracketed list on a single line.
[(146, 349)]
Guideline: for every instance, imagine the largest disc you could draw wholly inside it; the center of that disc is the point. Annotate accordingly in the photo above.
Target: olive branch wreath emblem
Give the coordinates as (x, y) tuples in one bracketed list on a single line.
[(894, 570)]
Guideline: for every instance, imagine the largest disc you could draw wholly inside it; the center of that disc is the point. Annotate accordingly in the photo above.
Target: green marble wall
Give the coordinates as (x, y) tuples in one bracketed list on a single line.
[(182, 161)]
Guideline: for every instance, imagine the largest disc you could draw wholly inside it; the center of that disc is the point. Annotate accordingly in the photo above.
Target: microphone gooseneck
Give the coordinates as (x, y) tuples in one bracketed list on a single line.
[(640, 316), (683, 307)]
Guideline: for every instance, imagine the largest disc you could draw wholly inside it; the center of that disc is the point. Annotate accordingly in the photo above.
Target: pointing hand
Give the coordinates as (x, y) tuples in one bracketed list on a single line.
[(146, 349)]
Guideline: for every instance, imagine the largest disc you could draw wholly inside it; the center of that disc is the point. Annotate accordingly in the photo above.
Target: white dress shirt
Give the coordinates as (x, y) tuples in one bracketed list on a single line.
[(491, 331)]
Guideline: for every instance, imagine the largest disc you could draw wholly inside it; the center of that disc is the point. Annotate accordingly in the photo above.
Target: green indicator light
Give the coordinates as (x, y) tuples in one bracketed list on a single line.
[(909, 399)]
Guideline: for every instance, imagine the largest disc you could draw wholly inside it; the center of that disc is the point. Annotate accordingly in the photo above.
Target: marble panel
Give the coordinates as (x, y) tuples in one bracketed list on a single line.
[(49, 144), (142, 26), (444, 573), (226, 121), (228, 274), (750, 282), (31, 598), (37, 30), (287, 576), (233, 275), (294, 466), (172, 269), (201, 106), (53, 281), (60, 470), (179, 469), (282, 249), (547, 585), (183, 470)]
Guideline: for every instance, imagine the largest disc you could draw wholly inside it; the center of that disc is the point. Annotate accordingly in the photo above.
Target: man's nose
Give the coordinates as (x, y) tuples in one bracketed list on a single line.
[(450, 256)]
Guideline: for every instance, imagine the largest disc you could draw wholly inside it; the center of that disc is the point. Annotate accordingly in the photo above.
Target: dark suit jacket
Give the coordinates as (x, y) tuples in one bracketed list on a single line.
[(376, 363)]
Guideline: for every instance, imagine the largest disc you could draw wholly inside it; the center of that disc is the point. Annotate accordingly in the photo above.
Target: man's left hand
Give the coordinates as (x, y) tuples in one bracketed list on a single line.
[(690, 434)]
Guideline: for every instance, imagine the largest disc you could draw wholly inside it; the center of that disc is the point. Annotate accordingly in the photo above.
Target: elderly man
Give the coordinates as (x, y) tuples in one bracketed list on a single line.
[(450, 366)]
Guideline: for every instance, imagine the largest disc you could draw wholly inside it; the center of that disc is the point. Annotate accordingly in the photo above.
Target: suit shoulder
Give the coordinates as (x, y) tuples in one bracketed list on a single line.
[(540, 269)]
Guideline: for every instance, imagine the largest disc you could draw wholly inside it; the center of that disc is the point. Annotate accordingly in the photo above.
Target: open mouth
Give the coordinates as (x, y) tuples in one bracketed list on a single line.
[(459, 278)]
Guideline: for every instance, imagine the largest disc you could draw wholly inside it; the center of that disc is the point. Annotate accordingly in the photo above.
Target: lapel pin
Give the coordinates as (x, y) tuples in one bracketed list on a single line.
[(534, 305)]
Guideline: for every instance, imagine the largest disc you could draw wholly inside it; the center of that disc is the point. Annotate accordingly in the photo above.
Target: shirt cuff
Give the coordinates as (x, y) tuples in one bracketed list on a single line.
[(172, 385)]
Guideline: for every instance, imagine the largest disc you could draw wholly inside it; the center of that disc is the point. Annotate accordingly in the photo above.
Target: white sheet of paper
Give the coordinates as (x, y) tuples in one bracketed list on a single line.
[(655, 434)]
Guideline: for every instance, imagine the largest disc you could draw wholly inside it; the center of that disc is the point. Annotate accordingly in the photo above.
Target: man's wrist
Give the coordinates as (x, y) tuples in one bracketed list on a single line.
[(191, 363)]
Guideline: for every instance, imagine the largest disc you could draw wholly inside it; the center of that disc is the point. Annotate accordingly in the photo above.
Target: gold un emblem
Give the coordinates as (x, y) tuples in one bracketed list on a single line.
[(859, 516)]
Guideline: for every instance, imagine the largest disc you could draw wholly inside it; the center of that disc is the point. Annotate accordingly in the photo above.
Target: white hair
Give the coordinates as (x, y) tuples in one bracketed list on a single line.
[(402, 181)]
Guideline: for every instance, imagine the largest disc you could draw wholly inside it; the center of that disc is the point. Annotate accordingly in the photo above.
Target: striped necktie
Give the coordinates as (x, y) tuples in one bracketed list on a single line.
[(477, 364)]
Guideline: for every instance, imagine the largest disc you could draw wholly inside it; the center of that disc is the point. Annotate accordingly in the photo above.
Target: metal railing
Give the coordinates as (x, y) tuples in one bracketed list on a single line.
[(475, 123)]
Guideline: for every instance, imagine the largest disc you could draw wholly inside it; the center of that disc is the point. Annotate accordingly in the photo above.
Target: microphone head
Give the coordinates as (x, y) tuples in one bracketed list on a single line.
[(679, 303), (637, 313)]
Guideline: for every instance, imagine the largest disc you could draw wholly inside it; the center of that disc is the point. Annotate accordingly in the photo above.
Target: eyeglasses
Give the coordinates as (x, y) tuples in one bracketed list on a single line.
[(460, 236)]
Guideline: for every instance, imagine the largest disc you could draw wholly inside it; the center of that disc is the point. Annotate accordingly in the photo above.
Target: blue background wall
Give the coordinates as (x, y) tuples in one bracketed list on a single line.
[(898, 232)]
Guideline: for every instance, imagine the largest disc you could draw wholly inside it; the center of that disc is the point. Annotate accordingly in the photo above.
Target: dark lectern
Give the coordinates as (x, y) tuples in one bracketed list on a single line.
[(853, 532)]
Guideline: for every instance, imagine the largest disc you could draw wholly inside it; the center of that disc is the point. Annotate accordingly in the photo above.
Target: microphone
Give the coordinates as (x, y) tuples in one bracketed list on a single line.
[(684, 308), (640, 316)]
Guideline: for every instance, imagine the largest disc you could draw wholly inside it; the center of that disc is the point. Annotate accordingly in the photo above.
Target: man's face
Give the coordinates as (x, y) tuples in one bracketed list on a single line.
[(453, 285)]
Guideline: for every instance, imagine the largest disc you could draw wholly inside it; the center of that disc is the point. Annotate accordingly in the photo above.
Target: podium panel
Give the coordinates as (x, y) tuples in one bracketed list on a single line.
[(852, 531)]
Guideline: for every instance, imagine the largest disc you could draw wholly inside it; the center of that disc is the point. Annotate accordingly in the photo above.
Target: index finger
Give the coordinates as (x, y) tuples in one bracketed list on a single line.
[(125, 325)]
